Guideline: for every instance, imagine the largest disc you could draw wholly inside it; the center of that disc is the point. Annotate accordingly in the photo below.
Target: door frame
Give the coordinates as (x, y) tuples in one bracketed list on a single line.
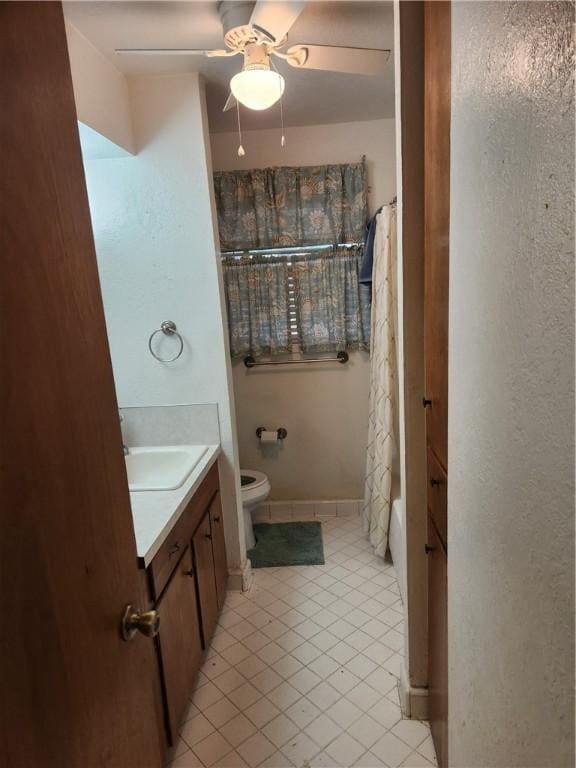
[(409, 20), (409, 85)]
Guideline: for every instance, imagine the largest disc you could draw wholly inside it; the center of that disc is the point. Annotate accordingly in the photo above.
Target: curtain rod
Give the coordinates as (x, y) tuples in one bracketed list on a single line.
[(285, 250)]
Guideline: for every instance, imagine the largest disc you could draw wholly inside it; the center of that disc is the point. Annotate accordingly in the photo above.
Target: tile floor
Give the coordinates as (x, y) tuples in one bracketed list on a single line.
[(303, 670)]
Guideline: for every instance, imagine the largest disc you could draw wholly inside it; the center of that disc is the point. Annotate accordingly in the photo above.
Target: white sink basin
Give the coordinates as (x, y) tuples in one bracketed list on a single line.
[(162, 467)]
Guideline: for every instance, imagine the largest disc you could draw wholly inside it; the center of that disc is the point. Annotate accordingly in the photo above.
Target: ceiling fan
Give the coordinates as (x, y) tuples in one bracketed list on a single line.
[(259, 31)]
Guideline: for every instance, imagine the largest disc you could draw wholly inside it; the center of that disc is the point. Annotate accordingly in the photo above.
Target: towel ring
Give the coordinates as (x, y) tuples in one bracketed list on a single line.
[(168, 328)]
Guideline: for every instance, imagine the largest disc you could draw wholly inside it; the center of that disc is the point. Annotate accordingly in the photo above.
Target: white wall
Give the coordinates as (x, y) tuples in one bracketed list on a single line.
[(100, 91), (326, 415), (511, 383), (317, 145), (324, 408), (157, 256)]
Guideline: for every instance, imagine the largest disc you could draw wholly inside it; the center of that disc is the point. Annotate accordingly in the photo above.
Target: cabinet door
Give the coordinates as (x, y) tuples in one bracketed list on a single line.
[(438, 497), (218, 549), (437, 68), (179, 640), (205, 578), (438, 643), (437, 222)]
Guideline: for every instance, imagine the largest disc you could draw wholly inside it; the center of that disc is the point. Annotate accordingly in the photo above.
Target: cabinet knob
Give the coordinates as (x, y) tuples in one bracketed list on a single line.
[(146, 622), (173, 549), (435, 483), (428, 549), (190, 573), (217, 519), (426, 403), (208, 536)]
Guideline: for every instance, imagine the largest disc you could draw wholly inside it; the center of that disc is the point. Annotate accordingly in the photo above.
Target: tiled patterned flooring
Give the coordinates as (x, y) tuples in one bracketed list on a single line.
[(302, 670)]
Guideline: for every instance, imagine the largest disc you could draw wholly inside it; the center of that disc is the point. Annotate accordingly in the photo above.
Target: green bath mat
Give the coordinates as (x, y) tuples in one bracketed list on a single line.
[(287, 544)]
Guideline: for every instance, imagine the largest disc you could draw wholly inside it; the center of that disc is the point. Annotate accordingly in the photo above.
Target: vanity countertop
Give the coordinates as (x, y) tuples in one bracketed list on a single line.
[(155, 513)]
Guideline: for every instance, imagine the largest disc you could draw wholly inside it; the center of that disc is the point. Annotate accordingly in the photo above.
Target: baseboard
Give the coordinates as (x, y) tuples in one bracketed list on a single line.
[(240, 579), (313, 509), (413, 700)]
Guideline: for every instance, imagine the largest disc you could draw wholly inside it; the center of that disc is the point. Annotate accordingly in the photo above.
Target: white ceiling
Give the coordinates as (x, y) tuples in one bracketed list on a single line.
[(311, 97)]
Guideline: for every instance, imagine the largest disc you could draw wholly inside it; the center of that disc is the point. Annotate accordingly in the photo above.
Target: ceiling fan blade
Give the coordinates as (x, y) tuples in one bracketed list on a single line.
[(274, 19), (230, 103), (172, 52), (359, 61)]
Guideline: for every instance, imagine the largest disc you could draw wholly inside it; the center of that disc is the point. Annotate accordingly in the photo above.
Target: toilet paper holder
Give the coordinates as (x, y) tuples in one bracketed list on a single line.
[(281, 432)]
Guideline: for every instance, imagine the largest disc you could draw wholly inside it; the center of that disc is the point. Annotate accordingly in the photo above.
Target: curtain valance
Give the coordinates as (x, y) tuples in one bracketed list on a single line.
[(282, 207)]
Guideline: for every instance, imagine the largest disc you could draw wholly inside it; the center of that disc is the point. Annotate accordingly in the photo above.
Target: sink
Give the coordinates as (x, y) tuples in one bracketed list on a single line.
[(161, 467)]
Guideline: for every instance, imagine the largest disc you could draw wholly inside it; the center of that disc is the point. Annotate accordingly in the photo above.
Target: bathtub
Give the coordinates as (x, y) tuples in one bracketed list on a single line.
[(397, 544)]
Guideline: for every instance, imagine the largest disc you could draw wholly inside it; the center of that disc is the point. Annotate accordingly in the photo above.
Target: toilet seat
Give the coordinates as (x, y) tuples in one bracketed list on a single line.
[(255, 488), (251, 479)]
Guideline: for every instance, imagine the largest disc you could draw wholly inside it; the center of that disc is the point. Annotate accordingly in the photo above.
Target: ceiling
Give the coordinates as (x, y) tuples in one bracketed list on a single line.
[(311, 97)]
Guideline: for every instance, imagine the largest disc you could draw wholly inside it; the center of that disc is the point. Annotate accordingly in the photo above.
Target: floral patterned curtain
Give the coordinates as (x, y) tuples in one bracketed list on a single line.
[(280, 207), (333, 306), (257, 303)]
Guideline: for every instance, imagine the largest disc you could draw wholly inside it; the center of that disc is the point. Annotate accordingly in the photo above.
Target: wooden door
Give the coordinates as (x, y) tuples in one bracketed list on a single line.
[(218, 549), (205, 578), (180, 640), (73, 694), (436, 276)]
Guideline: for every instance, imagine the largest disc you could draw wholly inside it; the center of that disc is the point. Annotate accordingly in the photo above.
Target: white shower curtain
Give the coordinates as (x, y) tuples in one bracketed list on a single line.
[(381, 449)]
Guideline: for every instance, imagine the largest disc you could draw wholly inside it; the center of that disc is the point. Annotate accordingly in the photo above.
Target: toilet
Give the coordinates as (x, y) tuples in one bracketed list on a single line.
[(255, 488)]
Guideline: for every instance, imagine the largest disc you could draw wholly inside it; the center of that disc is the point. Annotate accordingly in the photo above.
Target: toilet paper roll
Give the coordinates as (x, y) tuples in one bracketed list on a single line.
[(269, 436)]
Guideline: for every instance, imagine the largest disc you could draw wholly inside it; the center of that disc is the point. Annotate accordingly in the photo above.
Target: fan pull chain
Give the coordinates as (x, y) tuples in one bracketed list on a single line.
[(241, 151), (283, 137)]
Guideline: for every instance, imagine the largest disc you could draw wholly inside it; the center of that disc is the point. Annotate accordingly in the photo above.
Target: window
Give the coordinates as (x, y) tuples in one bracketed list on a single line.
[(298, 299), (292, 307)]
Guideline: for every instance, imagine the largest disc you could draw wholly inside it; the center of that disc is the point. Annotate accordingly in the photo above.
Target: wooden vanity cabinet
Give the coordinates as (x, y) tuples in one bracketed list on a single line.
[(218, 549), (187, 585), (206, 577), (179, 640)]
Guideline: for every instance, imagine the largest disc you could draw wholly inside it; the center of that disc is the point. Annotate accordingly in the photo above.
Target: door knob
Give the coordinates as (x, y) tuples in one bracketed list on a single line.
[(147, 622)]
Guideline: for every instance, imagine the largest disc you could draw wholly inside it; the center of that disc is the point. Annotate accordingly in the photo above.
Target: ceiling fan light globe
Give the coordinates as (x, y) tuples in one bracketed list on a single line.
[(257, 88)]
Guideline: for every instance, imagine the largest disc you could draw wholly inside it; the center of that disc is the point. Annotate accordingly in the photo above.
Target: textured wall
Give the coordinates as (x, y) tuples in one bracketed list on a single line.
[(157, 257), (511, 421), (324, 408)]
